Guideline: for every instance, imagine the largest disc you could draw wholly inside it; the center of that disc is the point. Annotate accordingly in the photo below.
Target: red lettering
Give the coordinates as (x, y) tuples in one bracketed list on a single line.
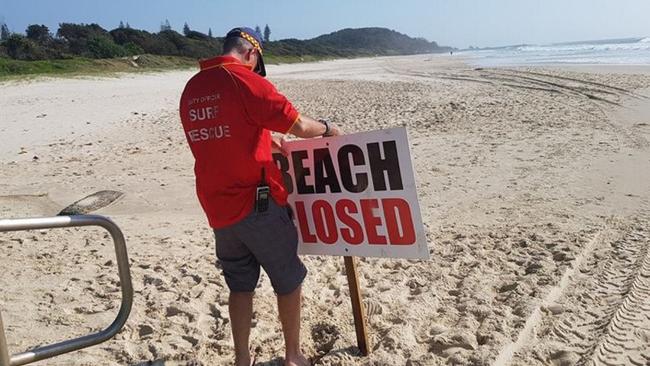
[(371, 222), (324, 217), (307, 236), (405, 221), (385, 221), (354, 233)]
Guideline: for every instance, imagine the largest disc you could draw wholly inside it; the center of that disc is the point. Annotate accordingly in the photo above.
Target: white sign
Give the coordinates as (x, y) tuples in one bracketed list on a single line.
[(354, 195)]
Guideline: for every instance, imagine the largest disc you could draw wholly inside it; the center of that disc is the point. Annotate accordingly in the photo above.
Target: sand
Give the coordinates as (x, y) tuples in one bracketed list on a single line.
[(533, 184)]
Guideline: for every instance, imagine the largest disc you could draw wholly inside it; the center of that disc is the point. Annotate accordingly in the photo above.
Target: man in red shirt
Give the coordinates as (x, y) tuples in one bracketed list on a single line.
[(228, 110)]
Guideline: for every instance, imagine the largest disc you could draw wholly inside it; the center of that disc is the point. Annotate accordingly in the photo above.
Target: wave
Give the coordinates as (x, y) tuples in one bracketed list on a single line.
[(627, 51), (641, 45)]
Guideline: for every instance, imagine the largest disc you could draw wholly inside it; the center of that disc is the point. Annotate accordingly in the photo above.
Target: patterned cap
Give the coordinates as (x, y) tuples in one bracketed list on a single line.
[(255, 39)]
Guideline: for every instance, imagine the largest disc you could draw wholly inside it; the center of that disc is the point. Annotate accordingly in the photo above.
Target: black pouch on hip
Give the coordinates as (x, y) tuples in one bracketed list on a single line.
[(262, 196)]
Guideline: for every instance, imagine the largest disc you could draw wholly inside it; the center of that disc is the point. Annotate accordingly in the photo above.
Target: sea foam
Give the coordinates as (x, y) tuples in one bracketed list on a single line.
[(628, 51)]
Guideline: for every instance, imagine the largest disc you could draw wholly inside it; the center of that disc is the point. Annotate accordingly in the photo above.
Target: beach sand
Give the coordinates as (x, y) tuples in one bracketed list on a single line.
[(533, 185)]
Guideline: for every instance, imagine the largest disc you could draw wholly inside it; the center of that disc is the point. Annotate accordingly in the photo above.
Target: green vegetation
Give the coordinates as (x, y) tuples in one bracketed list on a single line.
[(10, 68), (88, 48), (84, 66)]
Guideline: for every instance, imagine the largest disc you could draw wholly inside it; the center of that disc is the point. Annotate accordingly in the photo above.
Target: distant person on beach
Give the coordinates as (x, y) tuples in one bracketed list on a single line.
[(228, 110)]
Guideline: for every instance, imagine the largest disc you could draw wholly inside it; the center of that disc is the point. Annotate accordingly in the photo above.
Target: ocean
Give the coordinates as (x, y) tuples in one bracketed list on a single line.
[(627, 51)]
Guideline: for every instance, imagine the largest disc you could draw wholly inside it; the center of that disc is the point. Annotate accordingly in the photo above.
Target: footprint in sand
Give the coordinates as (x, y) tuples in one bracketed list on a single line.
[(173, 311), (453, 339), (144, 331), (373, 308), (151, 280), (338, 358), (324, 336), (416, 285), (193, 341)]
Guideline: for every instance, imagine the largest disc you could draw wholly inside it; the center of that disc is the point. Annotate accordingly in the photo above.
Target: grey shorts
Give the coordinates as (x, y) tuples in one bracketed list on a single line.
[(267, 239)]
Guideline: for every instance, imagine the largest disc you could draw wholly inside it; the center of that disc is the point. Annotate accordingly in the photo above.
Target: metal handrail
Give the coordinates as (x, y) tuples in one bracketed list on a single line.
[(49, 351)]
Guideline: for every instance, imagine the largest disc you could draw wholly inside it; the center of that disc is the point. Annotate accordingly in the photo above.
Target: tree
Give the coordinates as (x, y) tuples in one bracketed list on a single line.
[(165, 26), (121, 26), (4, 32), (102, 47), (210, 32), (38, 33), (17, 46), (132, 49), (20, 48), (267, 33), (197, 35), (77, 36), (186, 29), (128, 26), (258, 30)]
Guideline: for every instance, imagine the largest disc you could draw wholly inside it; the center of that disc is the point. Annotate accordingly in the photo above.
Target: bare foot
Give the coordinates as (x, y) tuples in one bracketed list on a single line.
[(296, 360)]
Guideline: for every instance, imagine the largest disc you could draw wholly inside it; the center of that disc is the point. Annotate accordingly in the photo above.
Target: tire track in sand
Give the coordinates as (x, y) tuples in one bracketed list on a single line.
[(627, 337), (603, 317)]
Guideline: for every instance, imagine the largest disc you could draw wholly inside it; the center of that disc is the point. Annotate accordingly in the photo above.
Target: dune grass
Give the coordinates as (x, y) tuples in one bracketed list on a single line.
[(13, 69)]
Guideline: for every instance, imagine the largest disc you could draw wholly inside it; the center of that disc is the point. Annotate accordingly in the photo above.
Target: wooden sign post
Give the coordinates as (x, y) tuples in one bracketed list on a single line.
[(358, 311)]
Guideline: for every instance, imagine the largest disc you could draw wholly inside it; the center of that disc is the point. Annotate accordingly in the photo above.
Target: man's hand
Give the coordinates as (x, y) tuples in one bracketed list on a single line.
[(278, 144)]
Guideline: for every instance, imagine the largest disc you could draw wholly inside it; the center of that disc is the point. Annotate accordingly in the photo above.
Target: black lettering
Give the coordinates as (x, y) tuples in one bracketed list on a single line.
[(324, 172), (301, 172), (389, 164), (283, 164), (346, 170)]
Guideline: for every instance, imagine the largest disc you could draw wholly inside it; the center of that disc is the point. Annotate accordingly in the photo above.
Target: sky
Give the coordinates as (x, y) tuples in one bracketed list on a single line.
[(457, 23)]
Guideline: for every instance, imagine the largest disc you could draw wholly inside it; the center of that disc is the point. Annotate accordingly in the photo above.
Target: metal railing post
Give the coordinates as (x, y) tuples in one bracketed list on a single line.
[(4, 352), (49, 351)]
